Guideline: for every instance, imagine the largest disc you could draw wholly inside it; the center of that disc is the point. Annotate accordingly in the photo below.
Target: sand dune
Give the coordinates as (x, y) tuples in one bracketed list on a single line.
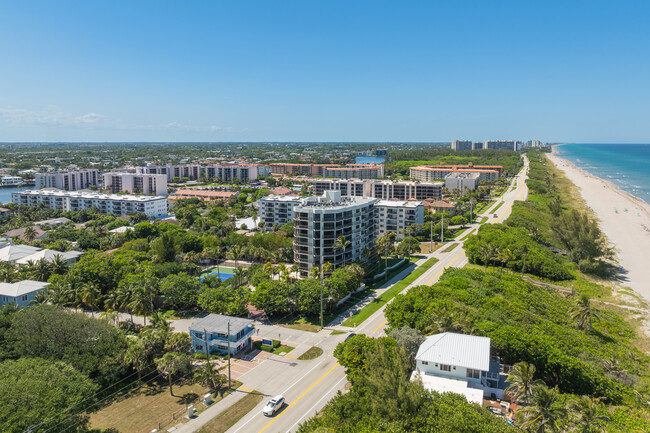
[(624, 219)]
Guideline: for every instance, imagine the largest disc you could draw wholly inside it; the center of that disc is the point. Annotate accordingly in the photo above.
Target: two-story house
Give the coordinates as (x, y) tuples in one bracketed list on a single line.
[(20, 293), (461, 364), (215, 330)]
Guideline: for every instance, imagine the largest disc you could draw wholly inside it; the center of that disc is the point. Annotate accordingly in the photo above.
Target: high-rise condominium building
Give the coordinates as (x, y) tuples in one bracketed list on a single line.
[(380, 189), (70, 180), (395, 216), (500, 144), (320, 221), (277, 209), (461, 145), (438, 172), (136, 183)]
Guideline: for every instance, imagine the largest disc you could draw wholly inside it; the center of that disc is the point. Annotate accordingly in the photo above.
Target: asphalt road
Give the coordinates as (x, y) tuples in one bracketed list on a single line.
[(308, 385)]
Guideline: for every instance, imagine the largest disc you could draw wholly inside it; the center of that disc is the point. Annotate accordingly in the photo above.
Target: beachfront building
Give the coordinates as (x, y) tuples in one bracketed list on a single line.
[(212, 333), (277, 209), (428, 173), (458, 145), (380, 189), (501, 145), (396, 215), (20, 293), (242, 172), (355, 171), (107, 204), (135, 183), (320, 221), (71, 180), (461, 364), (461, 180)]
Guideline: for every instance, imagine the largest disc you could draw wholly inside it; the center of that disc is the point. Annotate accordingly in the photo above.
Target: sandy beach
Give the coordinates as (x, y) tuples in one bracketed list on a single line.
[(624, 219)]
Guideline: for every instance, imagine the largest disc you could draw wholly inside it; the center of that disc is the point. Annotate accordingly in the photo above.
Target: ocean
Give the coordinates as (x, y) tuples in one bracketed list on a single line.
[(625, 165)]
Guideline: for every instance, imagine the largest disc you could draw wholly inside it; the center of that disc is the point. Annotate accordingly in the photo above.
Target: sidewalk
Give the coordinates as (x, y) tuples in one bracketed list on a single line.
[(204, 417)]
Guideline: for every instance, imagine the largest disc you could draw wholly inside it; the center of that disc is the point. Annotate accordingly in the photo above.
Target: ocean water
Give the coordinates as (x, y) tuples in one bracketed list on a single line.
[(625, 165), (369, 159)]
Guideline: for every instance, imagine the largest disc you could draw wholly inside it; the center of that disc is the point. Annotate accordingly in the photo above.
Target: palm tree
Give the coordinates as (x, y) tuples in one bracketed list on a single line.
[(523, 250), (235, 253), (586, 413), (487, 251), (41, 270), (583, 313), (314, 272), (171, 364), (110, 316), (341, 244), (140, 303), (30, 234), (89, 294), (505, 255), (58, 265), (159, 322), (545, 411), (207, 376), (294, 270), (238, 275), (522, 382), (137, 356)]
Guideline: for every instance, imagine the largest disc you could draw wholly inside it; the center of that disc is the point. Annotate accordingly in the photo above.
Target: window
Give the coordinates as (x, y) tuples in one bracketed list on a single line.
[(198, 334), (24, 298), (473, 374), (199, 347), (445, 367), (425, 363)]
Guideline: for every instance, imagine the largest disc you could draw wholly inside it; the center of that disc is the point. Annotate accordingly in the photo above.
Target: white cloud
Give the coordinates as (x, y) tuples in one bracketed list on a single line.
[(52, 116), (90, 118)]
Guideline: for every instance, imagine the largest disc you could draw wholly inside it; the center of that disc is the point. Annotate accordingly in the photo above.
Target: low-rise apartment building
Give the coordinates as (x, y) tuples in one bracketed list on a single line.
[(277, 209), (71, 180), (395, 215), (461, 180), (216, 333), (427, 173), (180, 171), (240, 171), (355, 171), (12, 180), (152, 206), (282, 168), (135, 183)]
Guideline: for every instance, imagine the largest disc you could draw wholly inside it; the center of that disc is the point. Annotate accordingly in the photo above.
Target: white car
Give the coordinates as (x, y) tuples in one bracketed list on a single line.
[(273, 406)]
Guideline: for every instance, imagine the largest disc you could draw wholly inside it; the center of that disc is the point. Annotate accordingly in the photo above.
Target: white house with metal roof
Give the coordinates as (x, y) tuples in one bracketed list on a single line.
[(215, 330), (459, 363), (20, 293), (11, 253), (68, 257)]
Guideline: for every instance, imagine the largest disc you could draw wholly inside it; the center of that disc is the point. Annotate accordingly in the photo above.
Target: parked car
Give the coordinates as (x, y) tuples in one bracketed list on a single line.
[(273, 406), (495, 216)]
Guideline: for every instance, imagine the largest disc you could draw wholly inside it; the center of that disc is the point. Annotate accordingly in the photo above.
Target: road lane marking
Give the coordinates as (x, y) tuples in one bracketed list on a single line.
[(290, 356), (382, 324), (321, 399), (243, 388), (443, 269), (299, 398)]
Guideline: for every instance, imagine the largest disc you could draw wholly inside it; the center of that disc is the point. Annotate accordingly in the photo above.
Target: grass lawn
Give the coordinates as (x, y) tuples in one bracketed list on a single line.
[(450, 248), (389, 294), (151, 407), (313, 353), (301, 324), (483, 220), (283, 348), (234, 413), (337, 332), (496, 208), (460, 232), (425, 247)]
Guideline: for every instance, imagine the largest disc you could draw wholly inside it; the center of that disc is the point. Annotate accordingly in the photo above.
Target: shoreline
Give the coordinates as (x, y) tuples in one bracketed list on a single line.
[(623, 218)]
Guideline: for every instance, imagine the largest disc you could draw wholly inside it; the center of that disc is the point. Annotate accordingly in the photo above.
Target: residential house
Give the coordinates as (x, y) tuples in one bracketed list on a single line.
[(216, 330), (20, 293), (461, 364)]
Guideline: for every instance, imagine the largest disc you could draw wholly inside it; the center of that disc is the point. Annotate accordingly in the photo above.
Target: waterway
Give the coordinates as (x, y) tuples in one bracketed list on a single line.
[(369, 159), (5, 193)]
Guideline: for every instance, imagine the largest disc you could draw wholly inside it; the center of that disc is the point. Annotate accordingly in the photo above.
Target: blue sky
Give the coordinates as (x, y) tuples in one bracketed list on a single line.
[(324, 70)]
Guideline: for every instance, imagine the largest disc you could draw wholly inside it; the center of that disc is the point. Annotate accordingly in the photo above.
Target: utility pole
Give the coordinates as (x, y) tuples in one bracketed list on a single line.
[(471, 211), (228, 336), (442, 228), (431, 245), (321, 290), (205, 339)]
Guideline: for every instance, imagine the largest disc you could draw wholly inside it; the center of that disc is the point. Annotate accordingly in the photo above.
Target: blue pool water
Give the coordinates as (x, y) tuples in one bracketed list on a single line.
[(625, 165)]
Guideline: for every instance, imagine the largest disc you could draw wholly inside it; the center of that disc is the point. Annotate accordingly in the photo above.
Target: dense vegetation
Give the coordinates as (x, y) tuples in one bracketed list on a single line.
[(384, 399)]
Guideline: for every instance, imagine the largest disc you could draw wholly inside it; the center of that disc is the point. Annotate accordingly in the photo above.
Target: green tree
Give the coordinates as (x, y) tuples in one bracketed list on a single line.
[(39, 395), (207, 376), (588, 414), (583, 313), (172, 364), (522, 382), (180, 290), (30, 234), (341, 243), (545, 413)]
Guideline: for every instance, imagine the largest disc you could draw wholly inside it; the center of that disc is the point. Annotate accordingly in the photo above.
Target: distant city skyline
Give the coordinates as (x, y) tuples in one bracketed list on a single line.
[(338, 71)]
